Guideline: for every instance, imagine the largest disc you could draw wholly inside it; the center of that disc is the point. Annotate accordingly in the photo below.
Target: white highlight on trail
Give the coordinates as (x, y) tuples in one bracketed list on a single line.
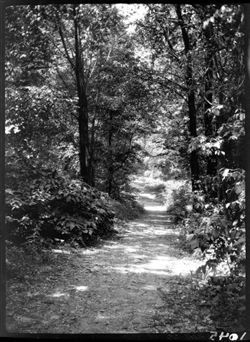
[(162, 265), (59, 294), (90, 251), (155, 207), (60, 251), (147, 195), (150, 287), (81, 288)]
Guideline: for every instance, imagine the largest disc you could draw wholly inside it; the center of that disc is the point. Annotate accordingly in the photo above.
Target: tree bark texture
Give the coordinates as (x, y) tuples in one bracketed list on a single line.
[(110, 155), (208, 33), (194, 162), (84, 156)]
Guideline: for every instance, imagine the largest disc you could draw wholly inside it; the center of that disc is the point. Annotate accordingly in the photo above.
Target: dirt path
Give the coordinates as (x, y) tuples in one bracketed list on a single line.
[(137, 283)]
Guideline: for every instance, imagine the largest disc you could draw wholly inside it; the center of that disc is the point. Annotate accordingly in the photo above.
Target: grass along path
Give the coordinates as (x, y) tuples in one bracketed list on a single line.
[(138, 282)]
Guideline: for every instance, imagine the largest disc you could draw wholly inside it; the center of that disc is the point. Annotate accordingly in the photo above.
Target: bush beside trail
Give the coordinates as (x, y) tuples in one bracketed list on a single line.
[(215, 227), (53, 211), (53, 208)]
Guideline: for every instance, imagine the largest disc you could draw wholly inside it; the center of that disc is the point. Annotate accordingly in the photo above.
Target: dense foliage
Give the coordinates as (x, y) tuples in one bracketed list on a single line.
[(88, 98), (91, 102), (55, 208), (48, 127), (197, 52)]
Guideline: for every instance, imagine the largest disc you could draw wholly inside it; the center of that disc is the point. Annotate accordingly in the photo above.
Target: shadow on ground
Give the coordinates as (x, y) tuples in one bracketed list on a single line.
[(138, 282)]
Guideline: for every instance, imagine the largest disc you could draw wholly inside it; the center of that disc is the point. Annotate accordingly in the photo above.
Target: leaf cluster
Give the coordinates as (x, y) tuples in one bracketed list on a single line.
[(215, 228), (54, 208)]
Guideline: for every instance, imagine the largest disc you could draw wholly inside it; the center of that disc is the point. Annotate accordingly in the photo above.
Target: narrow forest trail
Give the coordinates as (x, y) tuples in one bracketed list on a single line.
[(138, 282)]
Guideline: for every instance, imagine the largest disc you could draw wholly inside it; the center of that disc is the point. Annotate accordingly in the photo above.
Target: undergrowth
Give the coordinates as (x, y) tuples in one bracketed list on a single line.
[(52, 208), (213, 228), (56, 211)]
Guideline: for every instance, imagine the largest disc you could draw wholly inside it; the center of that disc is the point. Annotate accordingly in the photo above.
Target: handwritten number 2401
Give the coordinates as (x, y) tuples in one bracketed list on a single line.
[(231, 337)]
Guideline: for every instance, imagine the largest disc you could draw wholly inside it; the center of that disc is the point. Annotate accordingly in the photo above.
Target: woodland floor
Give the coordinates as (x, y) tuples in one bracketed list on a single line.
[(136, 282)]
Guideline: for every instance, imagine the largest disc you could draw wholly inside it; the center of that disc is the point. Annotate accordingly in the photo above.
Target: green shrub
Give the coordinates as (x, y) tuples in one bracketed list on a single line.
[(215, 226), (51, 208), (218, 228), (182, 204), (227, 298)]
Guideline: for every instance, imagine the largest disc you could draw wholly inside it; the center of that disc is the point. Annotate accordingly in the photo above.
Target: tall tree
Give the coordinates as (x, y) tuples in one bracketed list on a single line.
[(84, 37), (190, 83)]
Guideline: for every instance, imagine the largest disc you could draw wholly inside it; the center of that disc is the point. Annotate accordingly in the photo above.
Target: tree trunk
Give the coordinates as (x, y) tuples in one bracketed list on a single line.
[(110, 155), (211, 160), (92, 153), (85, 167), (194, 161)]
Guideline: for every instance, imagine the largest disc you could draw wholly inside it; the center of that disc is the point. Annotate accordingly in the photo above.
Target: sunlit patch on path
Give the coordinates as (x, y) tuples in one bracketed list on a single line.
[(155, 208), (118, 286)]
